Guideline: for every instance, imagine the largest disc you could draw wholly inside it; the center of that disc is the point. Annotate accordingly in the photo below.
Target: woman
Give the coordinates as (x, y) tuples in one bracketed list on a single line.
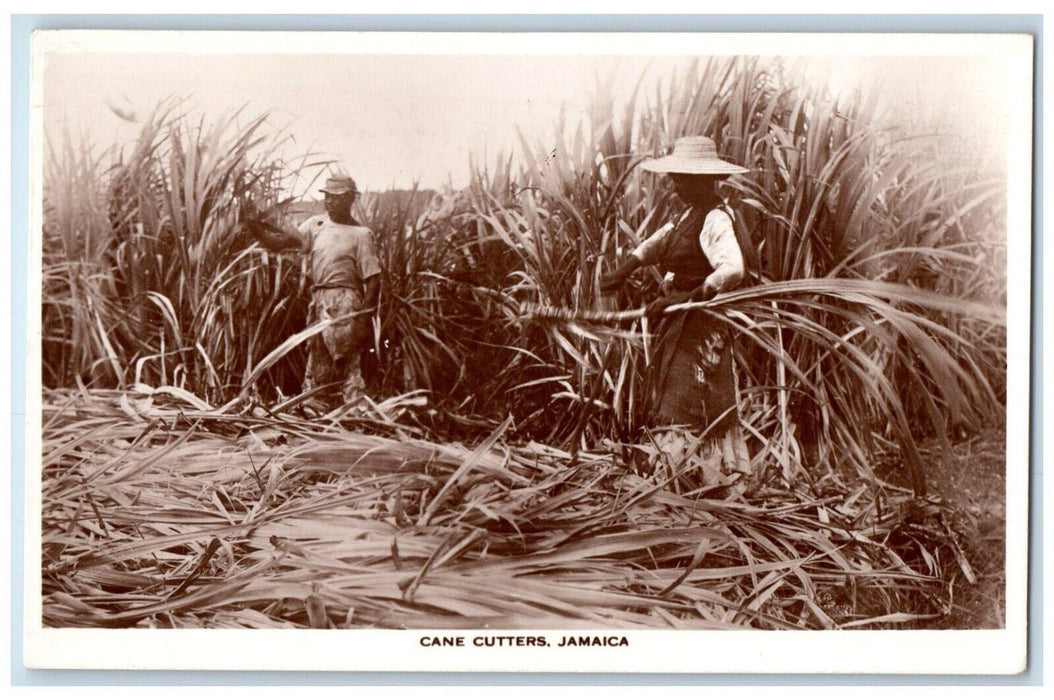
[(691, 381)]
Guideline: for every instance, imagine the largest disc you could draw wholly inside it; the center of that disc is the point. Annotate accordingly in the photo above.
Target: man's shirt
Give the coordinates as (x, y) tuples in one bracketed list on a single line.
[(339, 255)]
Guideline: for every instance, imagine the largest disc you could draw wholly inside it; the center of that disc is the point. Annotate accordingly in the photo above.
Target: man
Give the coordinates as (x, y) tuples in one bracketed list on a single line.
[(344, 272)]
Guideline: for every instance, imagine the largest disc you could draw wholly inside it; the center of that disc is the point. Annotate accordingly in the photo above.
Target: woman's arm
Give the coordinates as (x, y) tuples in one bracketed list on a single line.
[(647, 253), (719, 244), (611, 281), (718, 241)]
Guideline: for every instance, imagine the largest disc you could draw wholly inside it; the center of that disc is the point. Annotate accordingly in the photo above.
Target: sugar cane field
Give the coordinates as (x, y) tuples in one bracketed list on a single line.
[(501, 472)]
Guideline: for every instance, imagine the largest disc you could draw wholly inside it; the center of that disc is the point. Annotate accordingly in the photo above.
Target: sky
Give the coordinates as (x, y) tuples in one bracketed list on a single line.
[(396, 120), (389, 120)]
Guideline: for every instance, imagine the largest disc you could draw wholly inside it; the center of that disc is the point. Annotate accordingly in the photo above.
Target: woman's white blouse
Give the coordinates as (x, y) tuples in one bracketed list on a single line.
[(718, 242)]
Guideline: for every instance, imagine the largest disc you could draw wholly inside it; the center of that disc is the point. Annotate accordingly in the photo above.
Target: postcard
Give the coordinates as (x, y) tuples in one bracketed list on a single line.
[(632, 352)]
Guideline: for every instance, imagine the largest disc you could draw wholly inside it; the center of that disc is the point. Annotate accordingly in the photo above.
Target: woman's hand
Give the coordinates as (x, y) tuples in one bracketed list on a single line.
[(611, 281), (708, 290), (655, 309)]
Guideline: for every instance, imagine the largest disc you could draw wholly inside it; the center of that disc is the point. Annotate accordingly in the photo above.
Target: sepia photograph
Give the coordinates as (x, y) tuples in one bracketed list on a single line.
[(603, 352)]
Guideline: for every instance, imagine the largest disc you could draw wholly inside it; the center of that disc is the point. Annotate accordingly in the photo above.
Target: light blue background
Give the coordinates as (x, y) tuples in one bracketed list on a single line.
[(22, 25)]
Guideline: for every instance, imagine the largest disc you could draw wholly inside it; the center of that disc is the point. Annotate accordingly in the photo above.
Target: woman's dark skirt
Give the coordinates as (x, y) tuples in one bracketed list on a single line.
[(694, 399)]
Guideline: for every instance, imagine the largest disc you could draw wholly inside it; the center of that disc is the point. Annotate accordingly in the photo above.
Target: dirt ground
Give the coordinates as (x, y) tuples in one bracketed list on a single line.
[(972, 481)]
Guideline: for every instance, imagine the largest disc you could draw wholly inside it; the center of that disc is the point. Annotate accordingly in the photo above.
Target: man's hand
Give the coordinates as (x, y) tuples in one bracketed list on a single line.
[(270, 236), (243, 235), (362, 331)]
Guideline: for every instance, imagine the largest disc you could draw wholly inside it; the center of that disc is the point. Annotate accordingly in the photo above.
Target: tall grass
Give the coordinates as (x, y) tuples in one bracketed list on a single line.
[(830, 187), (503, 474), (160, 288), (77, 274), (869, 323)]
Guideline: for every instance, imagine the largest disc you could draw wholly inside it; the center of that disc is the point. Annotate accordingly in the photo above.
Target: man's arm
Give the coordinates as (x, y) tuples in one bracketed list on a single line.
[(274, 238), (369, 271), (370, 274), (362, 326), (371, 292)]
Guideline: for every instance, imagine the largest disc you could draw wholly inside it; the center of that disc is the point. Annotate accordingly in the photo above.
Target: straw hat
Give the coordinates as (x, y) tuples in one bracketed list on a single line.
[(693, 155), (339, 184)]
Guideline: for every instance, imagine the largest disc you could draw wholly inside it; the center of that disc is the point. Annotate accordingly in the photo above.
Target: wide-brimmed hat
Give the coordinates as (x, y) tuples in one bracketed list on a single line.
[(339, 184), (693, 155)]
